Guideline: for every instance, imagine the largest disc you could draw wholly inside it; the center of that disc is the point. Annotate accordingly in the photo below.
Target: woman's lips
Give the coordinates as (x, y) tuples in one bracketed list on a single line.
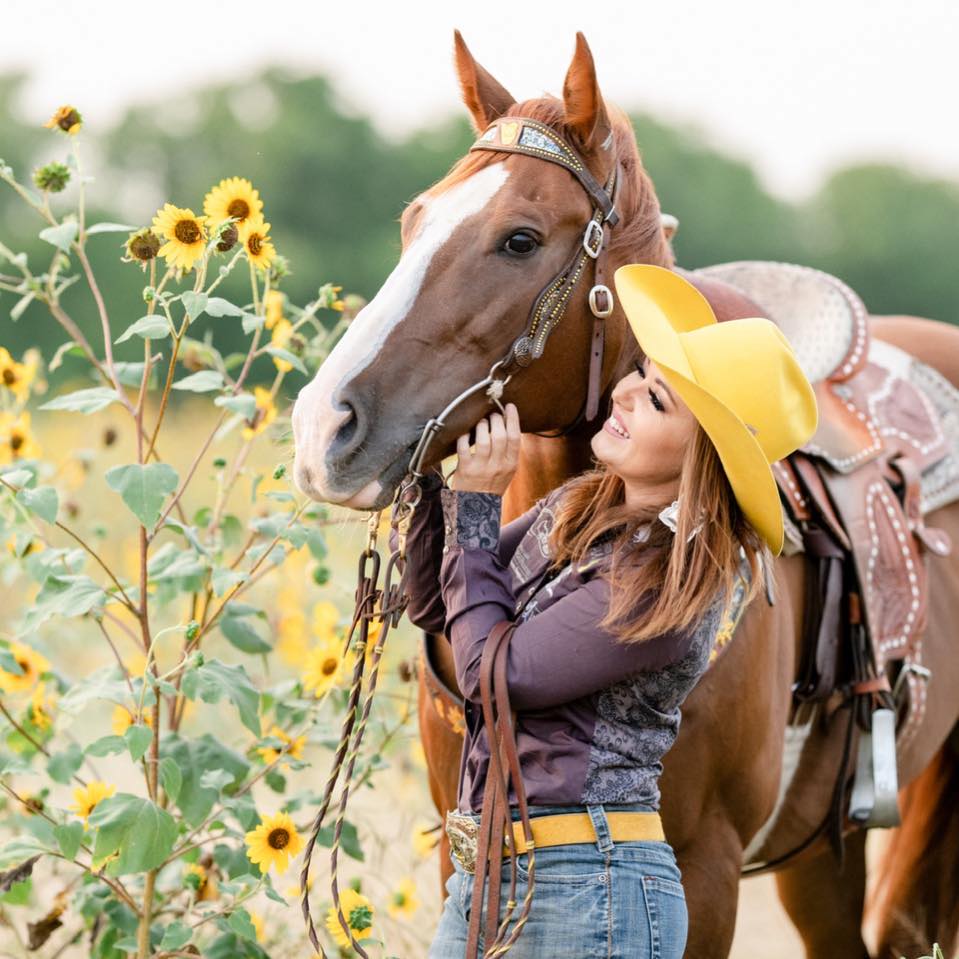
[(609, 428)]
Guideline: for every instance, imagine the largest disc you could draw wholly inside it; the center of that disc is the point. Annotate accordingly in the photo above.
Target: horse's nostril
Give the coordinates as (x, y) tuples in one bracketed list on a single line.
[(346, 435)]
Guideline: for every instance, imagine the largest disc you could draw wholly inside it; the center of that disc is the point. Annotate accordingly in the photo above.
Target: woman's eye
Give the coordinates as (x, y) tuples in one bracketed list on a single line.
[(521, 244), (654, 399)]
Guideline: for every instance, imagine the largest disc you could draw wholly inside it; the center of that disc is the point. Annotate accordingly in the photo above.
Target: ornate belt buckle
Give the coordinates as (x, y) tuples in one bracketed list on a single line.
[(461, 831)]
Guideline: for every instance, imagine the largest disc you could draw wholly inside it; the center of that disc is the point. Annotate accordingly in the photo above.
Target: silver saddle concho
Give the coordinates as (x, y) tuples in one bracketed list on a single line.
[(461, 831)]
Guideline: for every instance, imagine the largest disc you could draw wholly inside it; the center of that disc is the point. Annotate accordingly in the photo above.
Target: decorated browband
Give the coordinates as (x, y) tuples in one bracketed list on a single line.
[(525, 135)]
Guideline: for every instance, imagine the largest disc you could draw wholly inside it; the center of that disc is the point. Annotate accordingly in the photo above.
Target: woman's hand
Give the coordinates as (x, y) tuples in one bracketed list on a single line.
[(489, 466)]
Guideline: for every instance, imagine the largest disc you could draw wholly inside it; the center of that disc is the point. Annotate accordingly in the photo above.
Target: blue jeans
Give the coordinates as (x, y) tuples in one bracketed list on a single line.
[(597, 900)]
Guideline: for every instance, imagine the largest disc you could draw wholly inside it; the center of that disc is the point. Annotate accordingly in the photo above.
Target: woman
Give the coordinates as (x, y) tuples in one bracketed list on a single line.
[(619, 580)]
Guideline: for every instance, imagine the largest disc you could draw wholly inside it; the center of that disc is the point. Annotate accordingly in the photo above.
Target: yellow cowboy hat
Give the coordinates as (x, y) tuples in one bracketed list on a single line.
[(739, 378)]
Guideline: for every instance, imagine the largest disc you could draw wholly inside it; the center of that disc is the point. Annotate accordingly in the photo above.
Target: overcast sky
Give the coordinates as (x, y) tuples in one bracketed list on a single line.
[(796, 87)]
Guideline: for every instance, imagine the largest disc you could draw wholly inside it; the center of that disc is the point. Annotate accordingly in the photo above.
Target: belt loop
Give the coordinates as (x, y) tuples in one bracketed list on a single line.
[(604, 841)]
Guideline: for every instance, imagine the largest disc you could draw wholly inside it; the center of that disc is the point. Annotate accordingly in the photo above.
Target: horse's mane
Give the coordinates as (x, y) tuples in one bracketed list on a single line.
[(639, 230)]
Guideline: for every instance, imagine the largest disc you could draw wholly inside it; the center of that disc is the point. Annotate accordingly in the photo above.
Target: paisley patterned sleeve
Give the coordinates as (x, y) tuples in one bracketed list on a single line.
[(471, 518)]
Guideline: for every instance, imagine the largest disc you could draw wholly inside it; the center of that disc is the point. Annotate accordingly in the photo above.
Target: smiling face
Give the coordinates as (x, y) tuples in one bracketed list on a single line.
[(658, 428)]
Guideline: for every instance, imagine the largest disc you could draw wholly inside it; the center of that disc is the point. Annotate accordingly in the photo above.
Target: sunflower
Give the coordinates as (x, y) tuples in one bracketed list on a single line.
[(282, 333), (274, 842), (87, 797), (122, 719), (31, 662), (185, 233), (259, 247), (324, 667), (358, 911), (67, 118), (203, 883), (16, 438), (40, 710), (264, 414), (233, 198), (292, 644), (425, 839), (274, 308), (403, 901), (292, 747), (15, 376), (258, 925), (325, 618)]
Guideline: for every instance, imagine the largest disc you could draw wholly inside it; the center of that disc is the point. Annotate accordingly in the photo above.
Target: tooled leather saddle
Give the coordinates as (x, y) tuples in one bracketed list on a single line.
[(854, 502)]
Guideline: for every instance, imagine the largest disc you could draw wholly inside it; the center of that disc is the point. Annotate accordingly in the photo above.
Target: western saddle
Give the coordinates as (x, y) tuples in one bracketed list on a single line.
[(855, 497)]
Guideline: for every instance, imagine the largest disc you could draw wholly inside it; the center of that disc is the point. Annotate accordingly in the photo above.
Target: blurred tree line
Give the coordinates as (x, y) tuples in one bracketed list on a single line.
[(333, 190)]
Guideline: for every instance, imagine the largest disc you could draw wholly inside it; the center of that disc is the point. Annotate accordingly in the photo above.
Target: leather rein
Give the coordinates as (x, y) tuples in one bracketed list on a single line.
[(510, 134)]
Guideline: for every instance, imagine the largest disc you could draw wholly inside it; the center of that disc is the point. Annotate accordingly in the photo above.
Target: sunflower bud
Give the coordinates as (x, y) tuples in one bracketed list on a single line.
[(67, 118), (229, 235), (53, 177), (279, 268), (143, 245)]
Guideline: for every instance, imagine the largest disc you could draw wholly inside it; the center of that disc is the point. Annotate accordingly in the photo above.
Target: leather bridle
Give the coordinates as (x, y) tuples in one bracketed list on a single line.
[(516, 134)]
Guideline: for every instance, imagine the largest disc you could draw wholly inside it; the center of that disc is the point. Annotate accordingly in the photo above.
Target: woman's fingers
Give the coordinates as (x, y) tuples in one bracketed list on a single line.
[(514, 434), (482, 440)]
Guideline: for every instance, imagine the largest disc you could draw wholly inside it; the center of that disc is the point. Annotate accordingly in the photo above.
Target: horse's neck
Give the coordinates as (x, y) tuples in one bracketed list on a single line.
[(545, 464)]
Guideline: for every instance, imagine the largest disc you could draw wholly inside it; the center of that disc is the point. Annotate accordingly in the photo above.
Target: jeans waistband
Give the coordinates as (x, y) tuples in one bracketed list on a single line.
[(597, 813)]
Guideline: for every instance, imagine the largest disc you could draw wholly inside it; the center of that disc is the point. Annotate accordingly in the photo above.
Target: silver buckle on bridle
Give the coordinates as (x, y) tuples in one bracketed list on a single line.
[(601, 288), (591, 230)]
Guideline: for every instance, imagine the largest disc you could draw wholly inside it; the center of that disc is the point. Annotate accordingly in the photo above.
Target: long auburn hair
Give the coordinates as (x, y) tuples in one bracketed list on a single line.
[(663, 583)]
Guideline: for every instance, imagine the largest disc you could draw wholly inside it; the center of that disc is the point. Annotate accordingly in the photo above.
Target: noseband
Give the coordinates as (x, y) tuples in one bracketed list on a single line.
[(514, 134)]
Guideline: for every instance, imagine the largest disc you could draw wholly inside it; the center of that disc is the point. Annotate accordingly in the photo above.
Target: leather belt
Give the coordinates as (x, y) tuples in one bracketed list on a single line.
[(558, 829)]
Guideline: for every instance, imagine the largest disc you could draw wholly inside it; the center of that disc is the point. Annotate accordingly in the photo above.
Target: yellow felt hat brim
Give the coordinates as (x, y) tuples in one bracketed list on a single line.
[(662, 308)]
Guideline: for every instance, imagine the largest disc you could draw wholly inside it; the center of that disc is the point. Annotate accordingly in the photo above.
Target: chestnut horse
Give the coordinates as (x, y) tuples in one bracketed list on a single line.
[(452, 306)]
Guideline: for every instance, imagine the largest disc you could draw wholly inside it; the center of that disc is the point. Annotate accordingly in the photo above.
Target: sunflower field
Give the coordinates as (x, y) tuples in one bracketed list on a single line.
[(175, 640)]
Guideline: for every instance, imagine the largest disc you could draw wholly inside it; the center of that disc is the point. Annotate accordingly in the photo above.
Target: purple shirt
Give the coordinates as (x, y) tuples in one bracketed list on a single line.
[(594, 715)]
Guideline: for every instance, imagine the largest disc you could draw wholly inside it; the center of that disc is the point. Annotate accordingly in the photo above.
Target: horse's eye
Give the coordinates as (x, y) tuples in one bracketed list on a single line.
[(521, 244)]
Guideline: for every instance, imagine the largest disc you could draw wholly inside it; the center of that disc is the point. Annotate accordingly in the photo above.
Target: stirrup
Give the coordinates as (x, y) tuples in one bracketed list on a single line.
[(875, 792)]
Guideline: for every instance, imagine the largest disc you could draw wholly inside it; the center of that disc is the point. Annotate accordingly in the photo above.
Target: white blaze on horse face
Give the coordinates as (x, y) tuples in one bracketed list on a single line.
[(315, 418)]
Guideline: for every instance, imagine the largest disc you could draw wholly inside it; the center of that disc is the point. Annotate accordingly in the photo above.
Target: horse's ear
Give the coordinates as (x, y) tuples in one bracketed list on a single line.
[(485, 97), (586, 118)]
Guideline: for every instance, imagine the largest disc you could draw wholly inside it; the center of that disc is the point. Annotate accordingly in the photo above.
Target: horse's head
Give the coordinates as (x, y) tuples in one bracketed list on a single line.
[(477, 249)]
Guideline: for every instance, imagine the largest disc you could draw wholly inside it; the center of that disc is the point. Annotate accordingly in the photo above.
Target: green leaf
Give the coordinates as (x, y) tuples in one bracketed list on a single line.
[(138, 739), (191, 757), (43, 501), (62, 350), (109, 228), (69, 836), (251, 322), (224, 579), (240, 922), (22, 848), (194, 303), (290, 358), (21, 306), (143, 488), (349, 839), (131, 374), (202, 382), (63, 596), (106, 746), (242, 403), (216, 779), (213, 680), (217, 306), (142, 832), (176, 935), (61, 236), (150, 327), (84, 401), (106, 683), (242, 635), (170, 777), (61, 766)]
